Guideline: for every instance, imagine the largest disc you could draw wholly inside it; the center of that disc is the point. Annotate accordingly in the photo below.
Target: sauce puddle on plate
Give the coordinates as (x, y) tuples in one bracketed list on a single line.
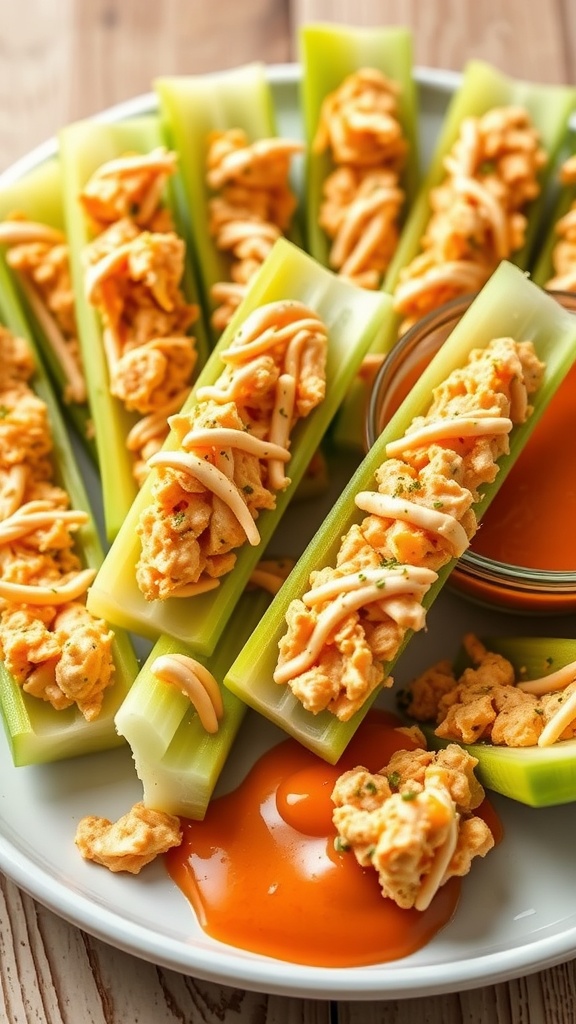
[(262, 873)]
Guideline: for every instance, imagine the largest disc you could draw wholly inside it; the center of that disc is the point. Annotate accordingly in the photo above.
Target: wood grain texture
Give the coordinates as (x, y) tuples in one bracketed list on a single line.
[(66, 60), (521, 39)]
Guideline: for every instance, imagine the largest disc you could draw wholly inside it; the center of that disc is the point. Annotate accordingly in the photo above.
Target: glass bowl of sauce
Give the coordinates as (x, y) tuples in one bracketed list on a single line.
[(523, 558)]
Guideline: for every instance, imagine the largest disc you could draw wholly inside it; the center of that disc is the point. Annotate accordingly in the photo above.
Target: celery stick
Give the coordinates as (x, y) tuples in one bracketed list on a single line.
[(482, 88), (85, 146), (176, 760), (328, 54), (353, 317), (193, 106), (538, 776), (562, 199), (38, 196), (35, 731), (508, 305)]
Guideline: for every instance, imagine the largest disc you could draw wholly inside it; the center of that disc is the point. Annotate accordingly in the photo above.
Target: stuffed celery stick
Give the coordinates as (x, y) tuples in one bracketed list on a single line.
[(555, 267), (268, 393), (511, 702), (139, 321), (33, 238), (235, 177), (482, 199), (334, 657), (178, 749), (63, 673), (483, 196), (359, 181)]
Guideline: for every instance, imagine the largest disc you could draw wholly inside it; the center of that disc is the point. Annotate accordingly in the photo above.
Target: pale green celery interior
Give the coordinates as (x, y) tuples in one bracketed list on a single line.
[(85, 146), (38, 195), (328, 54), (177, 761), (353, 317), (483, 88), (537, 776), (193, 106), (509, 305)]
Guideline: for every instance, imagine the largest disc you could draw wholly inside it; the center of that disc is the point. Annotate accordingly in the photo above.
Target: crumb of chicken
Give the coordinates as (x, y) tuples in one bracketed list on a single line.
[(483, 704), (130, 843), (400, 820)]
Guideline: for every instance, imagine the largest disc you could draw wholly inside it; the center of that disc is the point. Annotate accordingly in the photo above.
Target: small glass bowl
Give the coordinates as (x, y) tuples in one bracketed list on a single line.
[(484, 580)]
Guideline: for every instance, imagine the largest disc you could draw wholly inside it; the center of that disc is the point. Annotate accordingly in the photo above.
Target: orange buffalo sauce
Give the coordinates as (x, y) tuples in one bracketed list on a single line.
[(530, 521), (262, 873)]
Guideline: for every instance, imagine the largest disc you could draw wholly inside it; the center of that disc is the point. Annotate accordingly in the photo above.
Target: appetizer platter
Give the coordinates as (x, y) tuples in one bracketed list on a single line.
[(511, 916)]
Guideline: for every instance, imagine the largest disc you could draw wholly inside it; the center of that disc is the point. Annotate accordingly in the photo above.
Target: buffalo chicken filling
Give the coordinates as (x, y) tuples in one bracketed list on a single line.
[(478, 213), (419, 517), (234, 445), (134, 268), (49, 642)]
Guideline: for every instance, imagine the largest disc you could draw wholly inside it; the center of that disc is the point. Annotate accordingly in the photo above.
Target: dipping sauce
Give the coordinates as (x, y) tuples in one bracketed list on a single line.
[(262, 872), (529, 522)]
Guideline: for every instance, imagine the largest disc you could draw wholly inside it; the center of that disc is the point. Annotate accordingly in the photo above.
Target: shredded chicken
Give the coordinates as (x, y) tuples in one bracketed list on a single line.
[(134, 272), (478, 213), (130, 843), (359, 126), (39, 255), (233, 446), (356, 614), (49, 642), (488, 703), (412, 821), (563, 254), (251, 207)]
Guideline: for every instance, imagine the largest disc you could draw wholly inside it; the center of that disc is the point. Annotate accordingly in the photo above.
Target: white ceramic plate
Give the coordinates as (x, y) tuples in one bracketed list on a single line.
[(518, 907)]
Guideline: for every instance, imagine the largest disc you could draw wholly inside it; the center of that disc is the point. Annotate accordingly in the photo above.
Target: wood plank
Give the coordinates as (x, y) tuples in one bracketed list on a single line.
[(60, 62), (526, 43)]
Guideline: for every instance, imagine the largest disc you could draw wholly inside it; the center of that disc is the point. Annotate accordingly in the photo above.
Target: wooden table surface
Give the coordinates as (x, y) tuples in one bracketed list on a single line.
[(67, 59)]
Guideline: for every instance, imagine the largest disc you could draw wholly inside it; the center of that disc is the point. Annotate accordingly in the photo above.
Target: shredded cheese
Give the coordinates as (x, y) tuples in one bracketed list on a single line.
[(56, 593), (435, 877), (562, 718), (347, 602), (196, 683), (24, 521), (476, 424), (211, 437), (441, 523), (549, 684), (213, 480)]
